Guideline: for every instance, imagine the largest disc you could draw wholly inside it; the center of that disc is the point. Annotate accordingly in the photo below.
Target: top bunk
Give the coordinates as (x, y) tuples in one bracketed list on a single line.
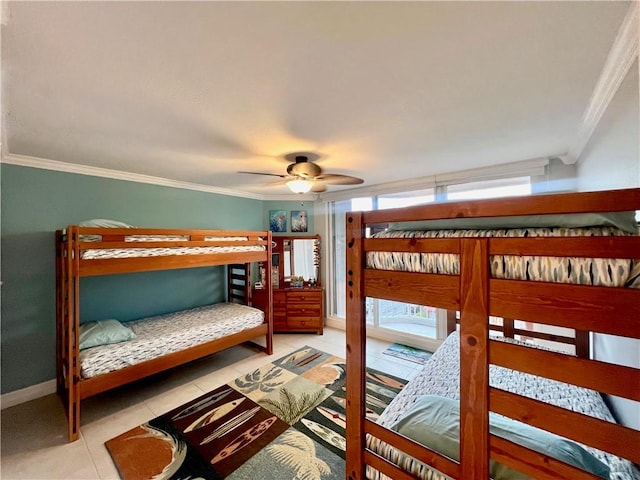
[(415, 254), (92, 250)]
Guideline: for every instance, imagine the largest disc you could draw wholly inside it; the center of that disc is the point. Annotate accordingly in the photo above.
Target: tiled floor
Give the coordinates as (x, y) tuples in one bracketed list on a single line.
[(33, 435)]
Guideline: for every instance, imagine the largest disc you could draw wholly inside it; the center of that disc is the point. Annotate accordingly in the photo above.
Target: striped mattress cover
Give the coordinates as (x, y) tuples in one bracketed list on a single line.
[(440, 376), (172, 332), (606, 272), (102, 253)]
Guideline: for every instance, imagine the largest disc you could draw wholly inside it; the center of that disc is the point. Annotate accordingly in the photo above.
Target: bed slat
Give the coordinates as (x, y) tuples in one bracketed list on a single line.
[(169, 262), (414, 245), (108, 245), (416, 450), (590, 247), (571, 306), (610, 437), (600, 376), (534, 464), (386, 467), (426, 289)]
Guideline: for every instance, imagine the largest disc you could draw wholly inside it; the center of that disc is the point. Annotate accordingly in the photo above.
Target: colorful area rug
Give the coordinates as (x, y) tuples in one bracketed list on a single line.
[(283, 421), (410, 354)]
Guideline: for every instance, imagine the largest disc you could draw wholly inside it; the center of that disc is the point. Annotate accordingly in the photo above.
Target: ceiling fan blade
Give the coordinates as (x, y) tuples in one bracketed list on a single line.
[(318, 187), (335, 179), (262, 173), (278, 183)]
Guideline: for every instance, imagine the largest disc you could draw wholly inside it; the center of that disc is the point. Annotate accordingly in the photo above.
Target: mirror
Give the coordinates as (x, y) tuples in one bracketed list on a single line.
[(301, 258)]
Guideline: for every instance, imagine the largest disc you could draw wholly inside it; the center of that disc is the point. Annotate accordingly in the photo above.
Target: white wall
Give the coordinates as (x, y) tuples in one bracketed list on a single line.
[(612, 160)]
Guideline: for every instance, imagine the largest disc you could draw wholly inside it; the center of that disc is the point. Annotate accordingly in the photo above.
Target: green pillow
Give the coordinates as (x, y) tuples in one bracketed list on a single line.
[(104, 332), (434, 421)]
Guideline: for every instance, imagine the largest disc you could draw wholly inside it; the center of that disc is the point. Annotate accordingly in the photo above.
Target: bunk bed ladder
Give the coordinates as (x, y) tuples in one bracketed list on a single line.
[(239, 283)]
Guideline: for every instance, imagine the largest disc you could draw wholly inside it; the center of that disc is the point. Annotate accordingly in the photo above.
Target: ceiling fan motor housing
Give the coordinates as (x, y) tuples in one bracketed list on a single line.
[(303, 168)]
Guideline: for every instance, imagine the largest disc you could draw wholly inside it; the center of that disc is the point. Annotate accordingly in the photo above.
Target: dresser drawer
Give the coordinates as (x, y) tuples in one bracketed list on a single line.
[(303, 310), (279, 299), (303, 323), (304, 296)]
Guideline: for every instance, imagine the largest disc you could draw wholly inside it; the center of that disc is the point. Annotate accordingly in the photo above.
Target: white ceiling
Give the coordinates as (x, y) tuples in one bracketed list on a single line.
[(196, 91)]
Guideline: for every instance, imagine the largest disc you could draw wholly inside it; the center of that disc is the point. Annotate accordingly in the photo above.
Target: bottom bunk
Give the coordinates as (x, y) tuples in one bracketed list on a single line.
[(151, 345), (426, 411), (98, 356), (156, 337)]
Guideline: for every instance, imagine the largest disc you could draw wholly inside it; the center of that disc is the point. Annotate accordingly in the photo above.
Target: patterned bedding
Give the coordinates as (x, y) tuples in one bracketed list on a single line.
[(583, 271), (94, 254), (440, 376), (163, 334)]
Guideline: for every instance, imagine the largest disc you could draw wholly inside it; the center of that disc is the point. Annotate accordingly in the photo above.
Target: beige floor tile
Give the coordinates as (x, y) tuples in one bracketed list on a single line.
[(51, 463), (219, 377), (34, 442)]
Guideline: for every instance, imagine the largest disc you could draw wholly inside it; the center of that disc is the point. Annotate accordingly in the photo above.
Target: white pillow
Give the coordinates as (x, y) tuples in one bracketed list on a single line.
[(104, 223)]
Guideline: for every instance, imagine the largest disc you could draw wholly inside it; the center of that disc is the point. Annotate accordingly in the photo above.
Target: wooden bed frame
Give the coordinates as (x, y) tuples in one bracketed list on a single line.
[(70, 268), (477, 296)]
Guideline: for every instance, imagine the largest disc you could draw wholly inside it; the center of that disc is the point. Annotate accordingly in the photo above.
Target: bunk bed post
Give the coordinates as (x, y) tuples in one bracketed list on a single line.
[(269, 310), (72, 321), (474, 359), (356, 348), (59, 313)]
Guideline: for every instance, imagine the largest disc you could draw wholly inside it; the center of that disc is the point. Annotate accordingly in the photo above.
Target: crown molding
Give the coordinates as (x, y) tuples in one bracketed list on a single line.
[(42, 163), (623, 53)]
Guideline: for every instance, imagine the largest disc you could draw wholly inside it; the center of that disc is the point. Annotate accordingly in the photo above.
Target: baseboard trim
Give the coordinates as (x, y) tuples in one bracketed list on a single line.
[(27, 394)]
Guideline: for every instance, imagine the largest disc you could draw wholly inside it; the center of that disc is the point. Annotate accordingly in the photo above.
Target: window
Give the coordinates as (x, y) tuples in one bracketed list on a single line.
[(505, 187), (396, 317), (416, 319)]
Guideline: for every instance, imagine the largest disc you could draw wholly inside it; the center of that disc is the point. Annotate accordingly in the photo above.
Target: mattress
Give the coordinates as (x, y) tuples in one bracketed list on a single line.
[(102, 253), (606, 272), (172, 332), (440, 376)]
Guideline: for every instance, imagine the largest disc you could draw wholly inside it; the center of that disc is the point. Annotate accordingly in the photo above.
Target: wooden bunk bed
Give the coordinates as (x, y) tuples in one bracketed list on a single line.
[(477, 295), (90, 251)]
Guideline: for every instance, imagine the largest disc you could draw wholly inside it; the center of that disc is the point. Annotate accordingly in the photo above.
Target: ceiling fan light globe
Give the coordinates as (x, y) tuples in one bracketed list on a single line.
[(299, 185)]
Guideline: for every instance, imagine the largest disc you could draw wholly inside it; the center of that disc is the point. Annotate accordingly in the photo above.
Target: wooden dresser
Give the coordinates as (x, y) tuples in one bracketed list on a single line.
[(294, 309)]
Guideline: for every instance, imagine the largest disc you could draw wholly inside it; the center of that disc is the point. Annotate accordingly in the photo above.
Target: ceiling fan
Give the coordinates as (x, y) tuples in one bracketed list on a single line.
[(303, 176)]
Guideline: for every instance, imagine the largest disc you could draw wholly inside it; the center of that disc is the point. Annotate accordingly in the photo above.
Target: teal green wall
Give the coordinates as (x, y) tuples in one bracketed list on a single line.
[(36, 202), (289, 206)]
